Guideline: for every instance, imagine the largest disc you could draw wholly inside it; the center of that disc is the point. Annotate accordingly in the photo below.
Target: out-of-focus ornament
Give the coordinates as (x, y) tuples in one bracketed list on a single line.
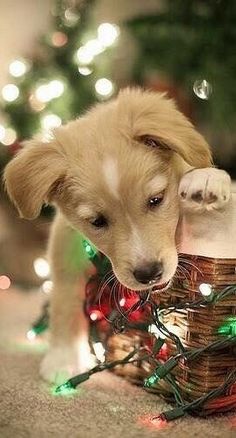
[(202, 89)]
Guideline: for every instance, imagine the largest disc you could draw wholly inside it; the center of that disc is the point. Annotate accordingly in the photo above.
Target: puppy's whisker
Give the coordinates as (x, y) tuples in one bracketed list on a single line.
[(115, 293), (187, 262), (184, 271), (111, 293), (180, 273), (104, 284)]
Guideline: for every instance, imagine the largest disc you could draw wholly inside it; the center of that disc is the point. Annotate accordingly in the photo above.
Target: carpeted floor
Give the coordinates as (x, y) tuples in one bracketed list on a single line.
[(104, 407)]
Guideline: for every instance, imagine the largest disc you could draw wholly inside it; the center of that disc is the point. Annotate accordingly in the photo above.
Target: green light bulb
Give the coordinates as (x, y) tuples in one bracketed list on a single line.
[(228, 328), (65, 388), (150, 381), (90, 250)]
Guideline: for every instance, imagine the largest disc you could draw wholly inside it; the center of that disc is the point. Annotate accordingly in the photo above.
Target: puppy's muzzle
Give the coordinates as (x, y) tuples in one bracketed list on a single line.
[(149, 273)]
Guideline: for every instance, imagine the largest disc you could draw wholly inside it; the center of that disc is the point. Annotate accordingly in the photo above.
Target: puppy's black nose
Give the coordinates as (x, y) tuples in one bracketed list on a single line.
[(148, 272)]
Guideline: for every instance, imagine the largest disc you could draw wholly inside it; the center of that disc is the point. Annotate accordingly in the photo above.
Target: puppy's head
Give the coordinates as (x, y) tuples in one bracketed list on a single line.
[(114, 174)]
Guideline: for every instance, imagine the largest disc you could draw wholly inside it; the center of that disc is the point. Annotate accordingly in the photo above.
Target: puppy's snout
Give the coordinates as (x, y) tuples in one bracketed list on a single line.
[(149, 272)]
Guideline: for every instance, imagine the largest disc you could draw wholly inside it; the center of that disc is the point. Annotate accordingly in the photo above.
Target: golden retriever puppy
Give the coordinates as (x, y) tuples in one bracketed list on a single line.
[(113, 175)]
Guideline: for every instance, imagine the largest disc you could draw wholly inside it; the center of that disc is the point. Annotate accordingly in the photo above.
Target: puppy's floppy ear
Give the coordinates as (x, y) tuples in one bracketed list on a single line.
[(34, 175), (191, 146), (154, 116)]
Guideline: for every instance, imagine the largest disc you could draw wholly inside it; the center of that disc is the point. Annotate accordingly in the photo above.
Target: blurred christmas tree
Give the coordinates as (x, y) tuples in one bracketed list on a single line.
[(70, 71), (186, 47), (191, 43)]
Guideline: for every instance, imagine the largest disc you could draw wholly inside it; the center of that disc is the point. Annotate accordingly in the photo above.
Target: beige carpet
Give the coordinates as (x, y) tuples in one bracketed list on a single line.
[(104, 407)]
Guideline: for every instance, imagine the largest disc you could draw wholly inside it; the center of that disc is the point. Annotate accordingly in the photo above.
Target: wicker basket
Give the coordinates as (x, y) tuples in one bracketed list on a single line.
[(195, 327)]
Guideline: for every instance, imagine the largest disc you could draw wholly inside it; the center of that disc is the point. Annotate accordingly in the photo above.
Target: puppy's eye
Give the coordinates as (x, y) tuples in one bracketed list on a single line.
[(99, 222), (156, 200), (151, 142)]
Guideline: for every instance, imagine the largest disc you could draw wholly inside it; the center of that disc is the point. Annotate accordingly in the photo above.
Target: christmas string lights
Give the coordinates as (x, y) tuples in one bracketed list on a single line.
[(142, 323), (80, 378), (40, 325), (163, 371)]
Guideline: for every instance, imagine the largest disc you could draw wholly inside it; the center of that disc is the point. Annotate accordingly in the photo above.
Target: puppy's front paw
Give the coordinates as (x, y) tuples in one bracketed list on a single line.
[(63, 362), (205, 190), (59, 364)]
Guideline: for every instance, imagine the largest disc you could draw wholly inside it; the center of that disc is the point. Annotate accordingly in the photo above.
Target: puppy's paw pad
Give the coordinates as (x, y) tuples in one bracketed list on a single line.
[(205, 189)]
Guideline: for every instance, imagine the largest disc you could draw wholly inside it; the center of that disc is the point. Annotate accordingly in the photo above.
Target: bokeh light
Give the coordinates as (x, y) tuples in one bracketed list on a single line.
[(8, 137), (41, 267), (85, 71), (5, 282), (205, 289), (108, 34), (10, 92), (104, 87), (50, 121), (17, 68)]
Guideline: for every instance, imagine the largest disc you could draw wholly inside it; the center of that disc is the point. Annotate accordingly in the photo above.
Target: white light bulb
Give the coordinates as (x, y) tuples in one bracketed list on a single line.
[(205, 289), (10, 92), (94, 47), (108, 33), (122, 302), (155, 331), (41, 267), (85, 71), (17, 68), (56, 88), (45, 93), (104, 87), (93, 316), (2, 132), (99, 351), (47, 286), (31, 335), (36, 105), (84, 55), (9, 137), (42, 93), (50, 121)]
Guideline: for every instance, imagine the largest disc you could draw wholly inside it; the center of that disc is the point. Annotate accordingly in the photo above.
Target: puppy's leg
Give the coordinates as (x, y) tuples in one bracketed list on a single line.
[(207, 215), (206, 189), (69, 350)]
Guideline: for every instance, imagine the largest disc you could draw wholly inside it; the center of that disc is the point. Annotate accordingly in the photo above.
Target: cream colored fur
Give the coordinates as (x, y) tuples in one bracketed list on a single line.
[(69, 172)]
